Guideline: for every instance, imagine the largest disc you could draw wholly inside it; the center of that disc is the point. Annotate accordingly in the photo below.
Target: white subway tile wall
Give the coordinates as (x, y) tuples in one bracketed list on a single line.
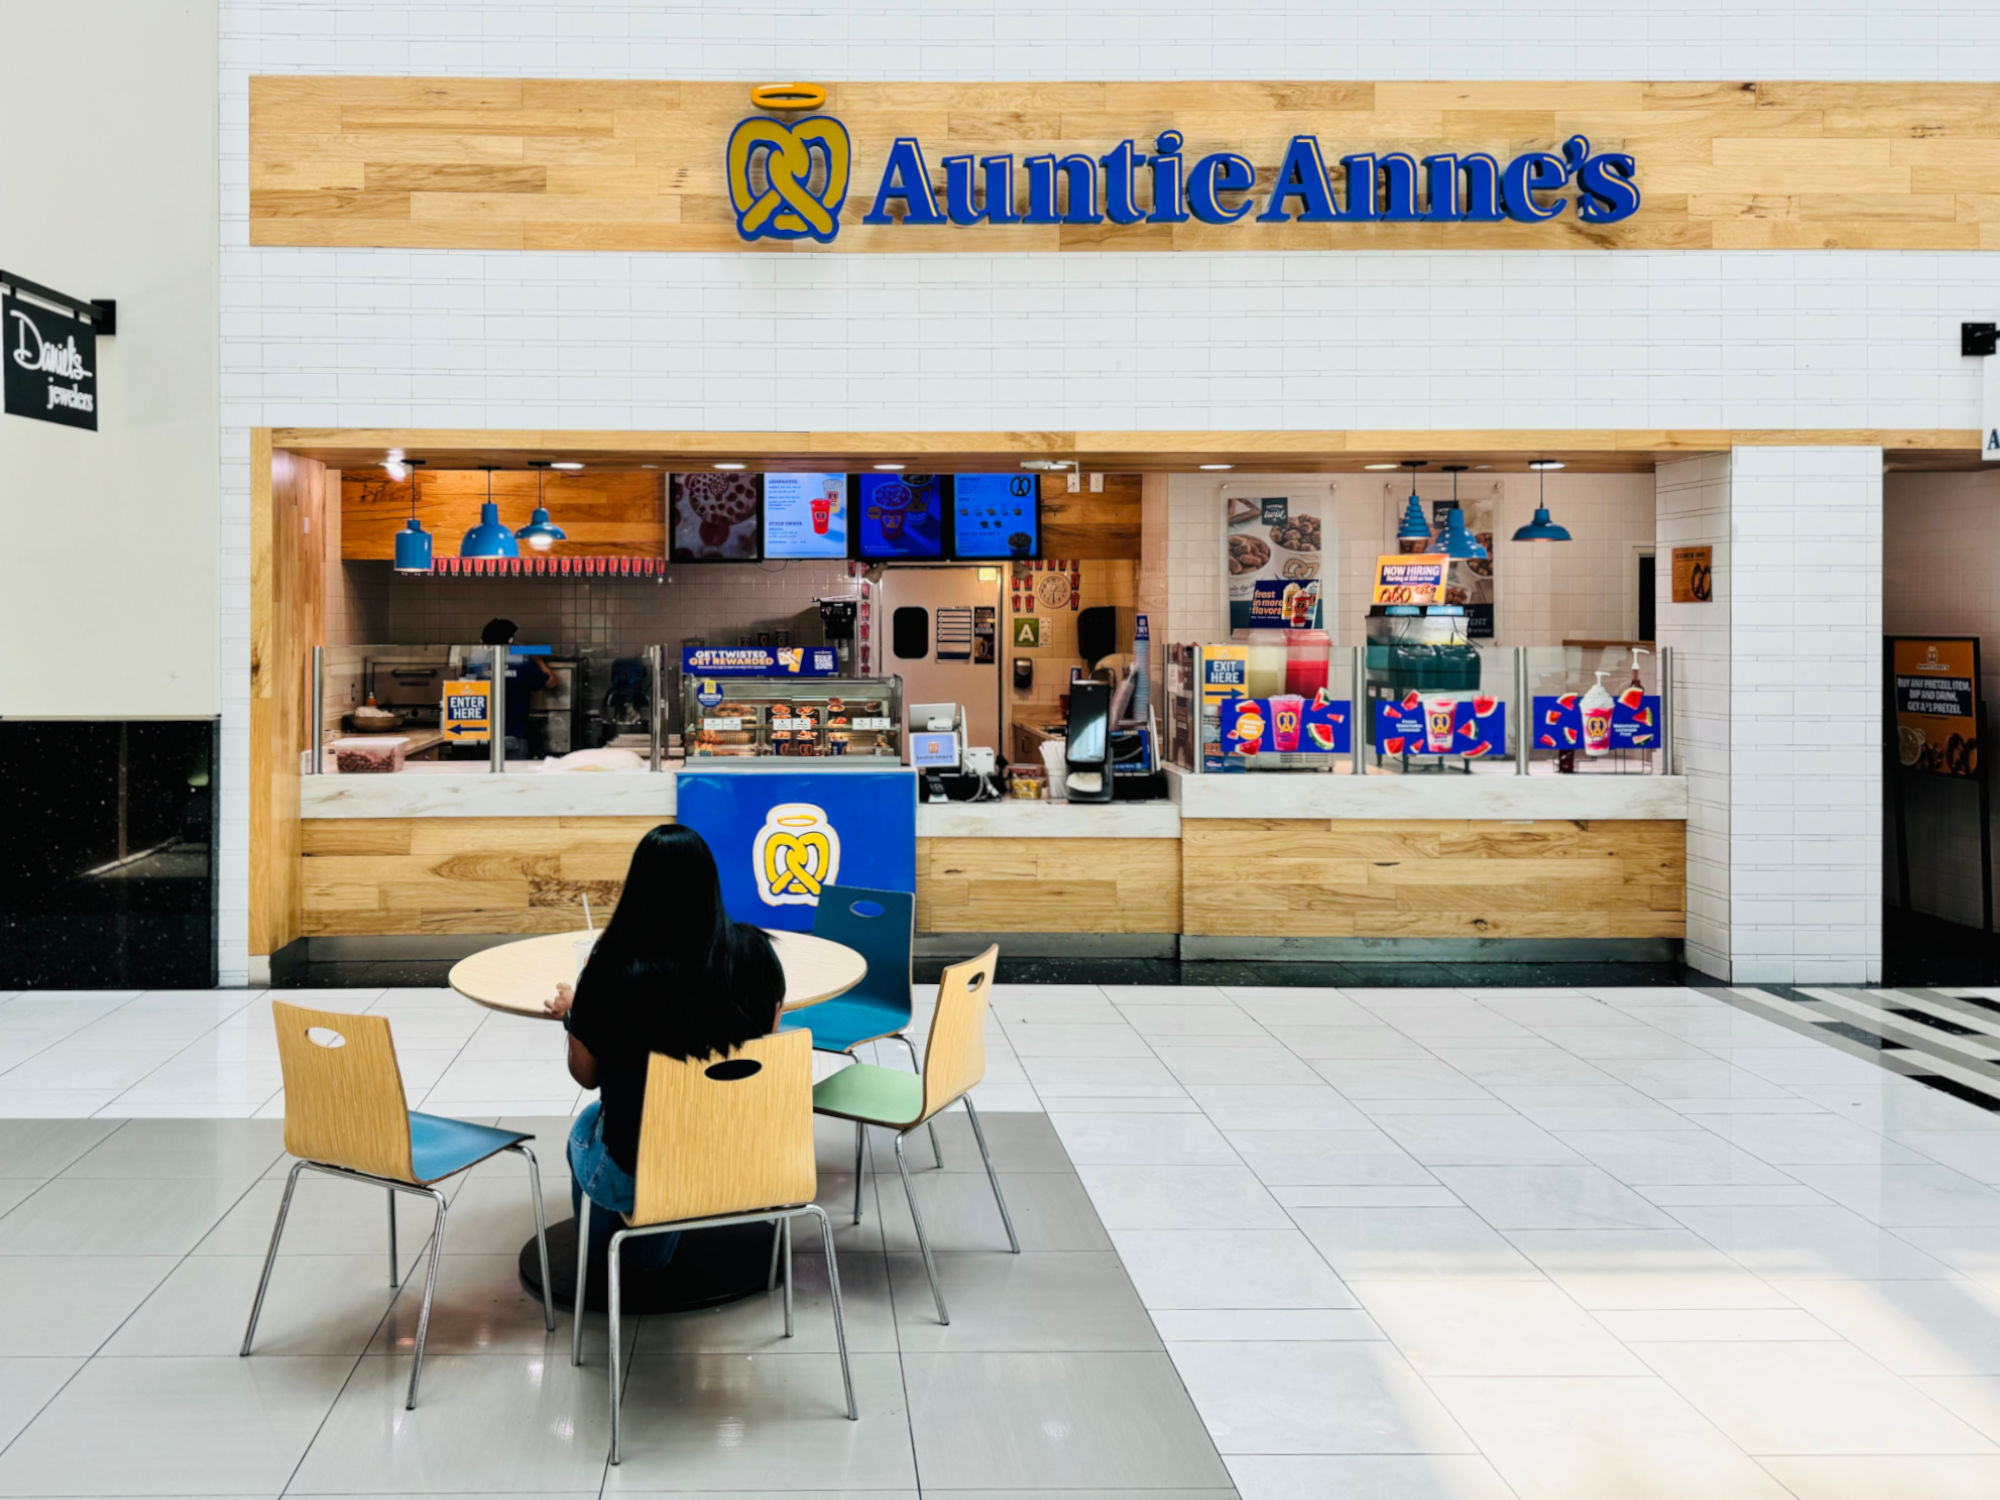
[(1693, 511), (1941, 576), (1407, 342), (1805, 745)]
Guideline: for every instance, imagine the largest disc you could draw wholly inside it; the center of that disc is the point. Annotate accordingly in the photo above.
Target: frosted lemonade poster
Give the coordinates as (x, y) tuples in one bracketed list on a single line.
[(1272, 552)]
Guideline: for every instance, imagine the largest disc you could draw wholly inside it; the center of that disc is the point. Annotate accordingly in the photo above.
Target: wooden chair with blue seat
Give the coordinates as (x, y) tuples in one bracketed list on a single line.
[(881, 927), (721, 1141), (346, 1116), (954, 1061)]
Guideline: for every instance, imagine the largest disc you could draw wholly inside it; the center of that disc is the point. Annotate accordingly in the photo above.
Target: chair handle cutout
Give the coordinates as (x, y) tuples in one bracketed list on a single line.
[(731, 1069), (975, 981), (867, 908), (322, 1036)]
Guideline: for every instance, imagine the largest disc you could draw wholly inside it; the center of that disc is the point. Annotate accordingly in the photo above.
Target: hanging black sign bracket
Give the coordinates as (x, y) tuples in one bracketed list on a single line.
[(100, 312)]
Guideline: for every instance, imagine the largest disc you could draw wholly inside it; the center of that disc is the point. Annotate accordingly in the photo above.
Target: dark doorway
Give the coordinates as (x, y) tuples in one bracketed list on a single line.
[(1646, 613)]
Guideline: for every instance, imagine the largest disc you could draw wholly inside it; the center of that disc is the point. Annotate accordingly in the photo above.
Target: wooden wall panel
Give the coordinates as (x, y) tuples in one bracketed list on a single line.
[(609, 513), (371, 876), (1048, 885), (287, 619), (1090, 524), (495, 163), (1383, 878)]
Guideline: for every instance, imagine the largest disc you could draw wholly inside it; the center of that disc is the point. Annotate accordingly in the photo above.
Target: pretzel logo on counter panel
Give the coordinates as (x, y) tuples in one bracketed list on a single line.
[(795, 855)]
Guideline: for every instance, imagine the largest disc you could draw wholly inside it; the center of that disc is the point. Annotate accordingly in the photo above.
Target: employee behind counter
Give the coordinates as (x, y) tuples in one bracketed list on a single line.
[(525, 675)]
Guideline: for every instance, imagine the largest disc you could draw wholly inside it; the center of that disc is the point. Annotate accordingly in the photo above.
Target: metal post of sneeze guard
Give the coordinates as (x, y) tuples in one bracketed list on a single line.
[(496, 714), (1357, 718), (653, 655), (316, 745), (1198, 751), (1666, 660), (1524, 717)]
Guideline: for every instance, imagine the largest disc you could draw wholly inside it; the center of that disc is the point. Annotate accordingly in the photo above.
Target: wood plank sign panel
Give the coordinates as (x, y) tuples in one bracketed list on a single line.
[(983, 167), (602, 514)]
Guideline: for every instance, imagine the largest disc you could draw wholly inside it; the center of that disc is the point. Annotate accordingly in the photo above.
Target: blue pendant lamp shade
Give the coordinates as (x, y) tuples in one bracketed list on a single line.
[(1414, 528), (541, 533), (489, 538), (1542, 529), (1458, 542), (413, 543)]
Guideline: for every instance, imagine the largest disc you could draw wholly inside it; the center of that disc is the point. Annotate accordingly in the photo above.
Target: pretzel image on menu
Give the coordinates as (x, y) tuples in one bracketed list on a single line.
[(715, 517)]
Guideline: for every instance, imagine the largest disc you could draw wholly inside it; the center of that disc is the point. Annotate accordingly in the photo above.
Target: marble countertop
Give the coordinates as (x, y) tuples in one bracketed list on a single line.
[(458, 789), (1016, 818), (1307, 794)]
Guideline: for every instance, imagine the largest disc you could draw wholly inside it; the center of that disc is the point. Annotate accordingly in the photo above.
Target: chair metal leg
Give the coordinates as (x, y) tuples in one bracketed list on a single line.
[(1013, 1243), (271, 1255), (777, 1239), (541, 1232), (787, 1234), (860, 1143), (611, 1265), (918, 1068), (923, 1244), (582, 1277), (839, 1322), (430, 1291), (395, 1274)]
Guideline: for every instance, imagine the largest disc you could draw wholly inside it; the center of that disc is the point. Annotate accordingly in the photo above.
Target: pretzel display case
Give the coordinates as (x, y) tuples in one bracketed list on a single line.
[(769, 719)]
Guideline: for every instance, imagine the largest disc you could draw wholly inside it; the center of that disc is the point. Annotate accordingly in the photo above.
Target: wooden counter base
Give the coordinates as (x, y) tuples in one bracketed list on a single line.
[(1048, 885), (1433, 878)]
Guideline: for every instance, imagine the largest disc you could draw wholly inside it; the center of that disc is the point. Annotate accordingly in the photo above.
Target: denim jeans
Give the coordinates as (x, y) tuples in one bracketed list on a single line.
[(592, 1171)]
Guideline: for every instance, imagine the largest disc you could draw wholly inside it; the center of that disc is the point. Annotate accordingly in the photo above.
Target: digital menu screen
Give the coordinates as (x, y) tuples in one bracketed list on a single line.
[(715, 517), (901, 516), (995, 515), (805, 515)]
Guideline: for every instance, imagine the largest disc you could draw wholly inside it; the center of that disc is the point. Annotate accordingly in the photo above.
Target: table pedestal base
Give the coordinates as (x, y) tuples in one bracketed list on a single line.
[(710, 1267)]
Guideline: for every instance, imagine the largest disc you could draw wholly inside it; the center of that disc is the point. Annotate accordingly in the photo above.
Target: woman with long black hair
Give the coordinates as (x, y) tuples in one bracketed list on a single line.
[(671, 974)]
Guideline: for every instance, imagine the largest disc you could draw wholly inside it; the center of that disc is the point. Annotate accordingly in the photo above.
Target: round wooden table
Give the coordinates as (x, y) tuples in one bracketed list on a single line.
[(519, 977), (712, 1266)]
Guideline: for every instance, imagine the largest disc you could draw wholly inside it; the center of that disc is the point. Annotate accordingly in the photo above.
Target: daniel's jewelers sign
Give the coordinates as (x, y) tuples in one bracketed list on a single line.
[(51, 363)]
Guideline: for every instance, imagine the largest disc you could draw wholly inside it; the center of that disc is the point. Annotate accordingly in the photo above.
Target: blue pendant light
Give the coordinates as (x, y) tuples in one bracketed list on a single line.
[(541, 533), (489, 538), (1542, 529), (1414, 528), (413, 543), (1458, 542)]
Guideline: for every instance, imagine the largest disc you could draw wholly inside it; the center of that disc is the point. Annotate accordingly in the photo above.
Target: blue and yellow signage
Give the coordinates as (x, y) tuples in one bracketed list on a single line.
[(789, 181)]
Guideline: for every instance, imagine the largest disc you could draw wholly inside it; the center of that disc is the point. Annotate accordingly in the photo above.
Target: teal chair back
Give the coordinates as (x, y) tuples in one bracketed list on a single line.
[(881, 927)]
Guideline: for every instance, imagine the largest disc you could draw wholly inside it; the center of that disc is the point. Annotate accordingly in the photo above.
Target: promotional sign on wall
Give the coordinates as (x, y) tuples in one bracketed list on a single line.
[(1694, 579), (781, 837), (51, 364), (760, 661), (1269, 542), (1937, 705), (1225, 675), (1416, 579), (1287, 723), (1467, 724), (1635, 721)]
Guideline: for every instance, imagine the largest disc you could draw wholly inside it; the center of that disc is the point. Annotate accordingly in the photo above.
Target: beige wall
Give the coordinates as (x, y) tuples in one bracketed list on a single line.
[(107, 578)]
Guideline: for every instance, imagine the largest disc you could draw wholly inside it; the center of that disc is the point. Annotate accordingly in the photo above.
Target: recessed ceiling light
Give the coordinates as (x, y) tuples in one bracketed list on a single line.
[(1047, 465), (1545, 463), (888, 466), (1218, 466), (731, 466), (1381, 466), (566, 464), (649, 466), (1482, 466)]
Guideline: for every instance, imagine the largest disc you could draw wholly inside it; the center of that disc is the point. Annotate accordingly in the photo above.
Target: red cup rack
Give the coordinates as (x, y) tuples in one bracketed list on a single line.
[(548, 567)]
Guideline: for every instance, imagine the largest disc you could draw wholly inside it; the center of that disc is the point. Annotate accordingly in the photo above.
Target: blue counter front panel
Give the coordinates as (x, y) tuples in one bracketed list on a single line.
[(780, 836)]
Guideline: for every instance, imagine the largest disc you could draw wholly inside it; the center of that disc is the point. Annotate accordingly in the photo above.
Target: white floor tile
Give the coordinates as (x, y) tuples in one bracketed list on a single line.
[(1492, 1328), (1872, 1478)]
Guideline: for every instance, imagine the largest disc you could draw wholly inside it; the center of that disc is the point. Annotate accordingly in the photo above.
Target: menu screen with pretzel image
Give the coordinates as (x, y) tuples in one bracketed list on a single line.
[(901, 516), (715, 517), (994, 515)]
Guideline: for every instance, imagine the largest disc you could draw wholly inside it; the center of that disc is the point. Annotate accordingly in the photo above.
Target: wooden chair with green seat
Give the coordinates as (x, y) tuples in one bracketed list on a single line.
[(881, 927), (721, 1141), (346, 1116), (954, 1061)]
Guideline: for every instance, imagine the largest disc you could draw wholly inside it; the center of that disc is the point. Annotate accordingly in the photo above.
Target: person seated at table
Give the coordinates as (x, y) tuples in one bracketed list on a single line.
[(671, 974)]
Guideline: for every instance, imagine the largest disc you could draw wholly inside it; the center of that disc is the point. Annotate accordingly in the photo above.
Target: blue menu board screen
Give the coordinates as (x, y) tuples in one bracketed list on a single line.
[(994, 515), (901, 515), (805, 515)]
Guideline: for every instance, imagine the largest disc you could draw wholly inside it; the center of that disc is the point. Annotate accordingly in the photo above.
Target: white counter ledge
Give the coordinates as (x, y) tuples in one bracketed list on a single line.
[(531, 793), (1582, 798), (1017, 818)]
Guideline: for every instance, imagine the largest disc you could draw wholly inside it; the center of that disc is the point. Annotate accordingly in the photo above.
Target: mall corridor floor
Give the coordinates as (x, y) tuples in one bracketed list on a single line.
[(1284, 1243)]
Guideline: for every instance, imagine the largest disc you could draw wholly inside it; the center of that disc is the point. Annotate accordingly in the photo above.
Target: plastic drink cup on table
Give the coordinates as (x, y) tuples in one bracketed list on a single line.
[(581, 947), (1440, 720), (1287, 709)]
